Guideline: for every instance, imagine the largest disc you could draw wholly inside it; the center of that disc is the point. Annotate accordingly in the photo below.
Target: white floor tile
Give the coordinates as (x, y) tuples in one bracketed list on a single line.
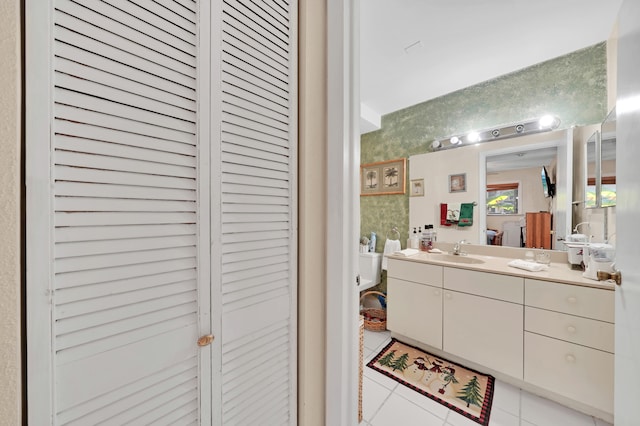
[(374, 339), (456, 419), (543, 412), (507, 398), (422, 401), (380, 378), (502, 418), (373, 396), (399, 411)]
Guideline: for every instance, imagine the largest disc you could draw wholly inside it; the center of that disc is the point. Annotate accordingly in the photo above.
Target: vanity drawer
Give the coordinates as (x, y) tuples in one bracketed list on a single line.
[(579, 373), (423, 273), (495, 286), (583, 331), (571, 299)]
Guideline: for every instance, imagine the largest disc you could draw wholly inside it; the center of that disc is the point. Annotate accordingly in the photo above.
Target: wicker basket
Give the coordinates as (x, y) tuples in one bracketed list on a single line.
[(374, 319)]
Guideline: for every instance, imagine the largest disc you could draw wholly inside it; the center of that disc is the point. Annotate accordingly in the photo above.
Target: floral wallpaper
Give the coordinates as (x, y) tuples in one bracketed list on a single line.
[(572, 87)]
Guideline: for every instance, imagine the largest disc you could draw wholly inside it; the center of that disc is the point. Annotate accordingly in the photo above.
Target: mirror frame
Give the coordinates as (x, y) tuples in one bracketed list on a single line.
[(596, 136)]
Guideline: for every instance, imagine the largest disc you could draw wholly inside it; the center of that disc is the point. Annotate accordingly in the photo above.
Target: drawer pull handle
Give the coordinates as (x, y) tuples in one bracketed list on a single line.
[(436, 292), (571, 329), (570, 358), (572, 300), (448, 295)]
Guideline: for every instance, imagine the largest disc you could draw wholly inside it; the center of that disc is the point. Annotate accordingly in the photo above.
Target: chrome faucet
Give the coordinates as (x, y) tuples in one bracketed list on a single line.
[(457, 248)]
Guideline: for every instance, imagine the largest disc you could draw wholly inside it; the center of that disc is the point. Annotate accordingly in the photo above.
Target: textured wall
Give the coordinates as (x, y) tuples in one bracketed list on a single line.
[(573, 87), (10, 411)]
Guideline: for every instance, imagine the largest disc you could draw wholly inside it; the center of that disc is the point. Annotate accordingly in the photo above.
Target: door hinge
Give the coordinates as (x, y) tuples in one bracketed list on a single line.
[(205, 340), (358, 280)]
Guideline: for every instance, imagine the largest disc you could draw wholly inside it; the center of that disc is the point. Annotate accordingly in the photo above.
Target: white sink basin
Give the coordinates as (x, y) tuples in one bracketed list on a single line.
[(458, 259)]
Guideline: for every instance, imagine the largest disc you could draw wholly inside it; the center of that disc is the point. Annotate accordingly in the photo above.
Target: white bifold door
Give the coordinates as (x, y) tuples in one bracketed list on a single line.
[(161, 208)]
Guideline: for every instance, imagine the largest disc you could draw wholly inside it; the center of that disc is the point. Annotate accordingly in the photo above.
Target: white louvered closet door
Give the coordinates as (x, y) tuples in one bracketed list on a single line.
[(254, 208), (128, 220)]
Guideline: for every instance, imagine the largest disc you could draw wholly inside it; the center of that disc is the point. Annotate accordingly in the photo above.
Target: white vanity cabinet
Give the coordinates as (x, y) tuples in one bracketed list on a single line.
[(553, 338), (414, 301), (483, 319), (569, 341)]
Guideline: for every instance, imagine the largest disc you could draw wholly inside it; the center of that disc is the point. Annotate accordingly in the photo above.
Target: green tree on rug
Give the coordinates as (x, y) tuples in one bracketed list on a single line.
[(470, 393), (387, 359), (400, 363)]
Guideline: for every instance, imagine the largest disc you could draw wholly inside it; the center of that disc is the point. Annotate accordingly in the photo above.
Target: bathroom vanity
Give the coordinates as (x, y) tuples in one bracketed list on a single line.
[(550, 332)]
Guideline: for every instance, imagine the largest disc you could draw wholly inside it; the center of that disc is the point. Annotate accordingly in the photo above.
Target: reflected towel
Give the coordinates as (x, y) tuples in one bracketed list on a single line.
[(466, 214), (453, 212), (443, 215), (528, 265), (390, 246)]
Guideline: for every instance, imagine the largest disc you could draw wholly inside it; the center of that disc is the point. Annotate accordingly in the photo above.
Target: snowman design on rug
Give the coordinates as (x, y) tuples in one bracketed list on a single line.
[(416, 371)]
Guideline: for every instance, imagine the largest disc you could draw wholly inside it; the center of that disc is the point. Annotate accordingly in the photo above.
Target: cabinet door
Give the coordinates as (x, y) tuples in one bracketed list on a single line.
[(580, 373), (415, 310), (485, 331)]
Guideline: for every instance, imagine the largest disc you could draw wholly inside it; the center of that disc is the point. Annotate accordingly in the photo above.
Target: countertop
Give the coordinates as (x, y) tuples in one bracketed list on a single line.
[(557, 272)]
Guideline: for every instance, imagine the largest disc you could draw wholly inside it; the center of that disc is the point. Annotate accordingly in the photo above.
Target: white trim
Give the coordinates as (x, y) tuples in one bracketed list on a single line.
[(293, 212), (216, 209), (39, 212), (565, 167), (203, 117), (343, 212)]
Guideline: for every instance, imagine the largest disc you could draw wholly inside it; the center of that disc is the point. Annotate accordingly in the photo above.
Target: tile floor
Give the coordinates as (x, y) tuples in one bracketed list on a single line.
[(387, 403)]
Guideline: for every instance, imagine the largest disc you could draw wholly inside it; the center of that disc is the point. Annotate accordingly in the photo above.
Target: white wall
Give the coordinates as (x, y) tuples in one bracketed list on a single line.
[(435, 168), (10, 356)]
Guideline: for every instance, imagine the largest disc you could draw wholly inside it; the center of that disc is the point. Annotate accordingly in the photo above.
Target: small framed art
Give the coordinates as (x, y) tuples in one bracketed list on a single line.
[(458, 182), (417, 188)]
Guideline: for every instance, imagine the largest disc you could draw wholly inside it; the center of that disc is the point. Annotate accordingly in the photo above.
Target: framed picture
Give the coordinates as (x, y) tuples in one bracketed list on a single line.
[(383, 178), (458, 183), (417, 188)]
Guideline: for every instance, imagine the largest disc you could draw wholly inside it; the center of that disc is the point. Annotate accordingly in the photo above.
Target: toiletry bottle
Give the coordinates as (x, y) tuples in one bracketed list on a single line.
[(424, 239), (372, 243), (414, 242)]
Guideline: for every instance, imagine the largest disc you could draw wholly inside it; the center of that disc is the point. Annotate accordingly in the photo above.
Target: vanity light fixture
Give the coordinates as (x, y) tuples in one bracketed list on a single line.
[(537, 125)]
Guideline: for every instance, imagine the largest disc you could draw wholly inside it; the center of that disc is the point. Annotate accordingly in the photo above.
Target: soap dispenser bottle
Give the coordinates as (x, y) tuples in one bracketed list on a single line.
[(414, 241), (372, 243)]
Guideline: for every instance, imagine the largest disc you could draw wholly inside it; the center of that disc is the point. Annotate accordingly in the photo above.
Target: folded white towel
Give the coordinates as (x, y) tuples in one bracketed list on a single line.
[(390, 246), (528, 265), (407, 252)]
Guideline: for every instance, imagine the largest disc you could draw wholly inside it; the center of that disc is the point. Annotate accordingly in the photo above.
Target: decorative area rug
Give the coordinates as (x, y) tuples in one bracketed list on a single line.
[(459, 388)]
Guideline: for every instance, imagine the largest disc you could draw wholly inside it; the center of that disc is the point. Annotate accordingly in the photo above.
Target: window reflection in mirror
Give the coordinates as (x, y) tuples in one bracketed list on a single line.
[(608, 161), (591, 166)]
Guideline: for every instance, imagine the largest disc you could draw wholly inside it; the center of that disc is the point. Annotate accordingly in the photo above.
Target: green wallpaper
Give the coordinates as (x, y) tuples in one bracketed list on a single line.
[(573, 87)]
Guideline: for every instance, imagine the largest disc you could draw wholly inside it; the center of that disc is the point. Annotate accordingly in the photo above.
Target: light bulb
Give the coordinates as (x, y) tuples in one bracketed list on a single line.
[(546, 121), (473, 137), (436, 144), (455, 140)]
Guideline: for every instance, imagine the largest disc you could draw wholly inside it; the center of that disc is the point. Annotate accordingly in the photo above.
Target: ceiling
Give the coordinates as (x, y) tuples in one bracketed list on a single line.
[(412, 51), (521, 160)]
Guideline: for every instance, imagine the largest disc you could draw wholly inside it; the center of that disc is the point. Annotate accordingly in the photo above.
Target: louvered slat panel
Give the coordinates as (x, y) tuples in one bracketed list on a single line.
[(138, 78), (97, 233), (75, 174), (257, 223), (95, 276), (125, 189), (155, 20), (102, 134), (256, 29), (122, 218), (75, 294), (122, 399), (108, 18), (239, 42), (66, 19)]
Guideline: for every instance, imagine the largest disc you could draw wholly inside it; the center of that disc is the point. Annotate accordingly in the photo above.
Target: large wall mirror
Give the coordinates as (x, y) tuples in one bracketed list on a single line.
[(516, 161), (600, 165)]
